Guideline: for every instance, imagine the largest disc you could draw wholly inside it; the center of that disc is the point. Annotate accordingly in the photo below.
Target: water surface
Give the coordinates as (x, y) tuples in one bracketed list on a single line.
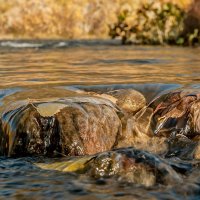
[(44, 69)]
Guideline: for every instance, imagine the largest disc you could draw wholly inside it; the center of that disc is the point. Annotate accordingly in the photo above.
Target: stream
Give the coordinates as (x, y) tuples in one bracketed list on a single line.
[(57, 69)]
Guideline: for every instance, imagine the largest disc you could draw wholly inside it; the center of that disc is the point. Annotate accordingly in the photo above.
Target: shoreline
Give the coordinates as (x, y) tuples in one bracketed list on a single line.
[(66, 20)]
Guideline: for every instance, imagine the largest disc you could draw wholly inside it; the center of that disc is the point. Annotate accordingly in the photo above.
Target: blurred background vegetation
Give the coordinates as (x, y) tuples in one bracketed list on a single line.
[(132, 21)]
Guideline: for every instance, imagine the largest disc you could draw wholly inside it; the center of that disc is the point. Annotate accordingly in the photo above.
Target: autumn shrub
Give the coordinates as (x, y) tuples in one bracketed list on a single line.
[(155, 23), (58, 18), (191, 31), (158, 22), (136, 21)]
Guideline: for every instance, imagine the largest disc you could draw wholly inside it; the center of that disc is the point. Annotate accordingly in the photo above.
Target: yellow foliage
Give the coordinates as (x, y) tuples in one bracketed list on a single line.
[(62, 18)]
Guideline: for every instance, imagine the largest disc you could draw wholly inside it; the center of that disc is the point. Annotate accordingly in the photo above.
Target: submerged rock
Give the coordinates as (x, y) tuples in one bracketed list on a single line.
[(125, 164), (182, 147)]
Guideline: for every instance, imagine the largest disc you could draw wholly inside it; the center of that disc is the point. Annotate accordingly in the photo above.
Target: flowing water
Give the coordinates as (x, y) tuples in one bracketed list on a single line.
[(44, 69)]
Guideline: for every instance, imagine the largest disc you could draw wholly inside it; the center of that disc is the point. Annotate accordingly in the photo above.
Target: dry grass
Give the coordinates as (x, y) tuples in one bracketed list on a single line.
[(63, 18)]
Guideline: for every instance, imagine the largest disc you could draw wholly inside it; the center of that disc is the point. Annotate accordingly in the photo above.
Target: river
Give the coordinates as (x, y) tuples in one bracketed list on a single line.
[(45, 69)]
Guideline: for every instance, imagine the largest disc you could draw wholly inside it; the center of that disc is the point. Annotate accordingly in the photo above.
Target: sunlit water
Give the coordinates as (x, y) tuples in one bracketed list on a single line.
[(57, 69)]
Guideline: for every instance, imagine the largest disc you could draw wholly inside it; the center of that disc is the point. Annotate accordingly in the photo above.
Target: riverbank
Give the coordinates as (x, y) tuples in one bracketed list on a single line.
[(159, 23), (61, 19)]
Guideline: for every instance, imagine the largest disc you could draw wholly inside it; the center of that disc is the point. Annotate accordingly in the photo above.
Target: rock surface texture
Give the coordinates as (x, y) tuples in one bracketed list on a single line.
[(71, 126), (114, 134)]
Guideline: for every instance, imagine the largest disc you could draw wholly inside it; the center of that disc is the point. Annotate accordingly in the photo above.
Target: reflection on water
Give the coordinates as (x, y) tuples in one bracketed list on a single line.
[(107, 64), (57, 69)]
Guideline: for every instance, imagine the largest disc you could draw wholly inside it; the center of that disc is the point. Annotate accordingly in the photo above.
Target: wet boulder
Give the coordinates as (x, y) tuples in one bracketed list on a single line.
[(177, 112), (134, 118), (129, 101), (174, 112), (124, 164), (182, 147), (132, 165), (71, 126)]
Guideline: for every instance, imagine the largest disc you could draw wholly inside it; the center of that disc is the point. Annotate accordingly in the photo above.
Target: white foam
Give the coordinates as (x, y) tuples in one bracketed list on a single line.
[(20, 45)]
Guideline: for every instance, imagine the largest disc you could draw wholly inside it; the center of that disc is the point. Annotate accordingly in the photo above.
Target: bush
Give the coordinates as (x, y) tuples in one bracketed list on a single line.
[(157, 23), (191, 31)]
